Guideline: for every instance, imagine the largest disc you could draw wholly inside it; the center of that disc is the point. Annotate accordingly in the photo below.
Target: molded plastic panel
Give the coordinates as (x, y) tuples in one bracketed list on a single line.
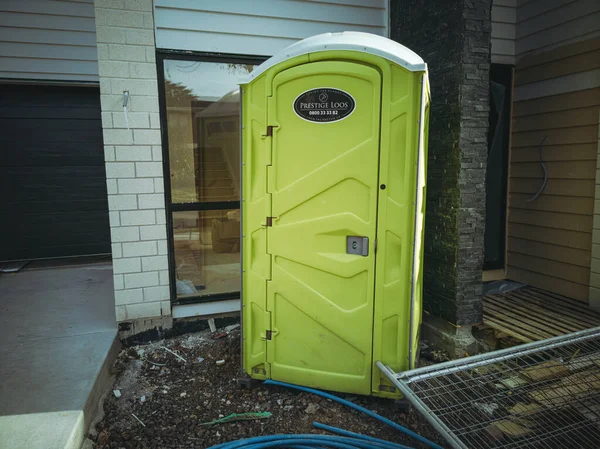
[(323, 189), (331, 314)]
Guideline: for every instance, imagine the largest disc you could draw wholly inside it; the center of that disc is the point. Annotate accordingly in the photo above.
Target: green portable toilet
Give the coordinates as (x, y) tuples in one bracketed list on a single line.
[(334, 143)]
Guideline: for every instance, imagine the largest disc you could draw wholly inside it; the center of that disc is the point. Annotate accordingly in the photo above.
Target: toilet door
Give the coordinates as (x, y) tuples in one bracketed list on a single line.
[(325, 119)]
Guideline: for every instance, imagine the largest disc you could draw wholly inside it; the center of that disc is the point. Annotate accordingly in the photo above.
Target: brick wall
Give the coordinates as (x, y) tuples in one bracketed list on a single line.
[(474, 124), (453, 37), (126, 60)]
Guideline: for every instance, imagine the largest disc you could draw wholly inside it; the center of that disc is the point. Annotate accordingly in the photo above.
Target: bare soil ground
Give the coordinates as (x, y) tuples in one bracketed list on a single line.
[(172, 398)]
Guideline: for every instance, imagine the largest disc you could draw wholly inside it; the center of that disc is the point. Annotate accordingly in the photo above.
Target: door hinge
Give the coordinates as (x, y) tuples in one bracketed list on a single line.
[(269, 131), (269, 221), (268, 335)]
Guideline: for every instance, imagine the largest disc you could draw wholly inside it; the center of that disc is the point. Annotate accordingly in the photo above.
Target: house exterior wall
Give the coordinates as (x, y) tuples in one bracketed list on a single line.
[(549, 238), (126, 45), (48, 40), (594, 299), (260, 27), (546, 24), (556, 94), (134, 170), (454, 39), (504, 20)]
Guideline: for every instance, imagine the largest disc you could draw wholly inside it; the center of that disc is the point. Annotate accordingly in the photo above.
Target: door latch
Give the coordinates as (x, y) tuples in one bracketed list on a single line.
[(357, 245), (269, 221), (268, 335)]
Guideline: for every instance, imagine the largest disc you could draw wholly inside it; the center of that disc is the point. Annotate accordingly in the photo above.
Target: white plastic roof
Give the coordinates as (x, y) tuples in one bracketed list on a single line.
[(347, 40)]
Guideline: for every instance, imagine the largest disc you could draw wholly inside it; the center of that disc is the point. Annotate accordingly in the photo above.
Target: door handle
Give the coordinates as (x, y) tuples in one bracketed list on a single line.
[(357, 245)]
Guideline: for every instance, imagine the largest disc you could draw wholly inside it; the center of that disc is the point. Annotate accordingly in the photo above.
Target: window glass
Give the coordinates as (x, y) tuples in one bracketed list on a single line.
[(202, 102), (207, 252)]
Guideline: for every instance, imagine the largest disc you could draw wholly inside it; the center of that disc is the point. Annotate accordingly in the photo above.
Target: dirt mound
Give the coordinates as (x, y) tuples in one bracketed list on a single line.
[(172, 399)]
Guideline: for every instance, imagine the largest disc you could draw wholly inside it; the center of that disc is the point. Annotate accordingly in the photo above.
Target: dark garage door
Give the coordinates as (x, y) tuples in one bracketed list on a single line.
[(52, 178)]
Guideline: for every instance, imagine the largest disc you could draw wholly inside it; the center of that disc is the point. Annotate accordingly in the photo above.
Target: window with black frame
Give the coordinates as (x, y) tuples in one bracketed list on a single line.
[(201, 113)]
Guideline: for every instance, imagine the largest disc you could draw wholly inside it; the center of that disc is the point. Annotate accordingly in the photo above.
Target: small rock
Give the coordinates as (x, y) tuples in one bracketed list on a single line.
[(311, 409), (212, 325), (183, 395), (117, 393), (279, 401), (88, 444), (488, 408), (200, 359), (494, 432), (287, 408), (220, 362), (218, 335), (102, 438), (143, 399), (228, 403)]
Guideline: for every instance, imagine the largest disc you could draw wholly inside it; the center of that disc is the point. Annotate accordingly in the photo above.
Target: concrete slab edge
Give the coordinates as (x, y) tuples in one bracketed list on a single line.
[(102, 383)]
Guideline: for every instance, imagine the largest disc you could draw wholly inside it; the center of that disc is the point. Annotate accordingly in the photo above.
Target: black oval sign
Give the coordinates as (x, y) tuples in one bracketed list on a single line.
[(324, 105)]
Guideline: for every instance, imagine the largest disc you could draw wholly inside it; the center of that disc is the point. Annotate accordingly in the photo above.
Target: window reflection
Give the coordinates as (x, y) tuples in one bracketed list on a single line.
[(207, 252), (203, 122), (203, 105)]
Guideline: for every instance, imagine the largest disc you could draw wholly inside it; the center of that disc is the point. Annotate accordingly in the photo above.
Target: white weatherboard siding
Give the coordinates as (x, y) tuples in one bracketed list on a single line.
[(504, 19), (48, 40), (260, 27), (572, 82), (546, 24)]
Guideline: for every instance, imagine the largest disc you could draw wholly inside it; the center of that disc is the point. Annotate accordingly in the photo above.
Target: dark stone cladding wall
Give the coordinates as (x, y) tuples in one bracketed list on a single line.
[(453, 37)]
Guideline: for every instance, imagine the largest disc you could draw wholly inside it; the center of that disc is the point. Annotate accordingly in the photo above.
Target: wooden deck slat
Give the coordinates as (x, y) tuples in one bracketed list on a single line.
[(563, 299), (556, 312), (516, 320), (508, 330), (582, 313), (569, 323), (537, 321), (531, 314)]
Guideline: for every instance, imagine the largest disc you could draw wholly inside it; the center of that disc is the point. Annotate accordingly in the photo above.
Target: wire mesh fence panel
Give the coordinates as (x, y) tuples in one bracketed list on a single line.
[(544, 394)]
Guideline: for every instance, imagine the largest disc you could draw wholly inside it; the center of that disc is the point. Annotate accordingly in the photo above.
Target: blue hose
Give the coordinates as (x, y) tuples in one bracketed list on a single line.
[(347, 433), (390, 423), (309, 441), (343, 439), (293, 442)]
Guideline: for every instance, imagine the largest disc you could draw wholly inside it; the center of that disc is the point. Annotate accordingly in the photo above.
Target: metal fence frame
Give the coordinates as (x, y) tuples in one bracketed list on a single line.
[(403, 380)]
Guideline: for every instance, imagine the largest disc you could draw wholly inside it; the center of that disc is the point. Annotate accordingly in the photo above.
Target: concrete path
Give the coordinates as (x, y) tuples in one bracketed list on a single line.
[(57, 342)]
